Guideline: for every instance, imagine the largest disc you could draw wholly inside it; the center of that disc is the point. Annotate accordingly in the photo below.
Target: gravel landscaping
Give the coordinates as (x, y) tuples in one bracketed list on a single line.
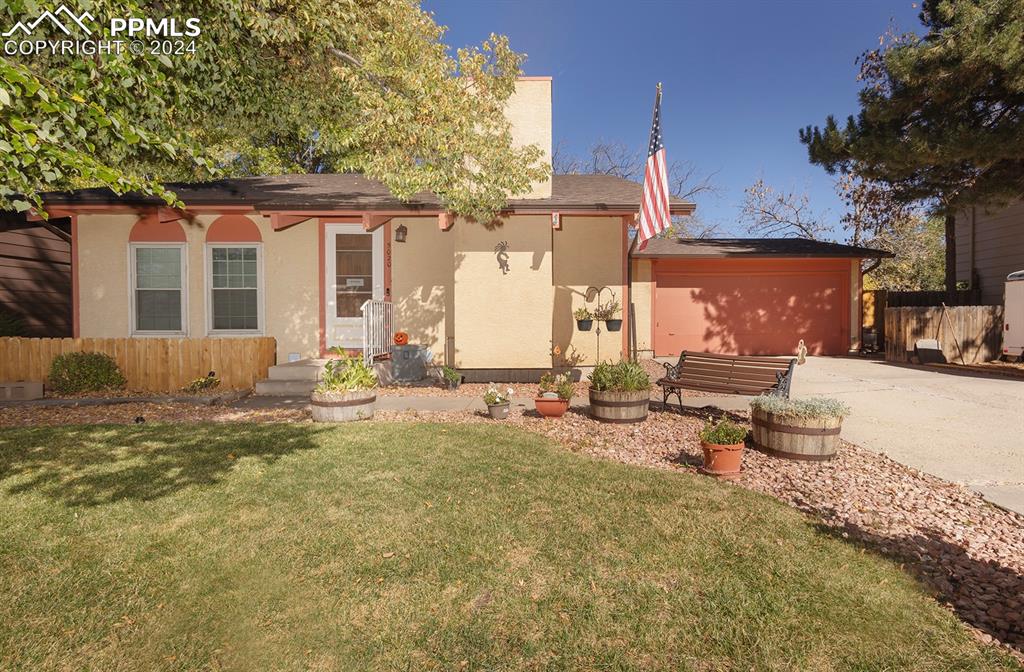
[(969, 552)]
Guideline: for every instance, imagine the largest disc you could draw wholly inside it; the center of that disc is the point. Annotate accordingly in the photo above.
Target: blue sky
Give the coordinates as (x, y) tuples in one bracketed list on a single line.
[(739, 77)]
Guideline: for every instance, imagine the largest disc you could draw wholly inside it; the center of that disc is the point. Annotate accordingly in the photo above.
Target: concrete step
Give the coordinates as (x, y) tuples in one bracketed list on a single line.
[(304, 369), (284, 388)]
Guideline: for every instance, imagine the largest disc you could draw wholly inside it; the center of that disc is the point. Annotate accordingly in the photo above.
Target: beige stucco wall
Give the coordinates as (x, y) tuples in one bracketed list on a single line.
[(423, 283), (587, 253), (290, 281), (856, 309), (503, 320), (643, 288), (529, 112), (104, 308)]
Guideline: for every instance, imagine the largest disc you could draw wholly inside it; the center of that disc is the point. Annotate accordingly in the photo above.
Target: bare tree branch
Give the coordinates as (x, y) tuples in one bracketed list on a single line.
[(772, 213)]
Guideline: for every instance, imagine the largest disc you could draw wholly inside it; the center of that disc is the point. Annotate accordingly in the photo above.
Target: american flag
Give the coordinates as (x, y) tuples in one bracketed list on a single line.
[(654, 211)]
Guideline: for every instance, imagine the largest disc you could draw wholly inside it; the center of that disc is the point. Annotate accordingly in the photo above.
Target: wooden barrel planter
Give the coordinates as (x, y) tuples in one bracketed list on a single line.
[(343, 406), (796, 438), (619, 407)]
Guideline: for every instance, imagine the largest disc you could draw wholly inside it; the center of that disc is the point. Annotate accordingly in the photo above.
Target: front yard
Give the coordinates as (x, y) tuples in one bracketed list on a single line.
[(420, 546)]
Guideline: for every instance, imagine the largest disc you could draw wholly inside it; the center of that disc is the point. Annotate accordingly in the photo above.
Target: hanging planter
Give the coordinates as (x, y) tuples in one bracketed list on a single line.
[(584, 320), (607, 313)]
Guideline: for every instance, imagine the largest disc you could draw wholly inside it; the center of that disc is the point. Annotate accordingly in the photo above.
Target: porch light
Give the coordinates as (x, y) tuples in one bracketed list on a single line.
[(400, 233)]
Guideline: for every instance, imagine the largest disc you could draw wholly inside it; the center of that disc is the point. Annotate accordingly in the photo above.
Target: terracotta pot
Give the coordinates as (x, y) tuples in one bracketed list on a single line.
[(498, 411), (551, 408), (719, 459), (343, 406)]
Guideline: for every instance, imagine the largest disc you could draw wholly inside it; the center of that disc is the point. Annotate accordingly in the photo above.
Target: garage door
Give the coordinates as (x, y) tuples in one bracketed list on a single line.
[(751, 307)]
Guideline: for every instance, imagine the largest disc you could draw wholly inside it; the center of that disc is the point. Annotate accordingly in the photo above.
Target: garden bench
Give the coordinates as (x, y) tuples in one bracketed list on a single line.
[(726, 374)]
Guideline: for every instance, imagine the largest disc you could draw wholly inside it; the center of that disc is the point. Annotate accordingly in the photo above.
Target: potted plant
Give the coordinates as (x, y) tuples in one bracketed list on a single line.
[(722, 443), (609, 313), (451, 378), (797, 429), (584, 319), (346, 392), (554, 394), (619, 392), (498, 401)]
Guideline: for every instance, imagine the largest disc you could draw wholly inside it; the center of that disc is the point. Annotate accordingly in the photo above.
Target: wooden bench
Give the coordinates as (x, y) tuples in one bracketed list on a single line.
[(726, 374)]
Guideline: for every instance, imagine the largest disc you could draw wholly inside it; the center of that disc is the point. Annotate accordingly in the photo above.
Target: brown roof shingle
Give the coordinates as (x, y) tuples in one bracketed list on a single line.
[(754, 247), (356, 192)]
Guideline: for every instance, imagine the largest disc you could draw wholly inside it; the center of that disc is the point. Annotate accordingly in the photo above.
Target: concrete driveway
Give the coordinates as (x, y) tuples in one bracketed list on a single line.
[(963, 427), (967, 428)]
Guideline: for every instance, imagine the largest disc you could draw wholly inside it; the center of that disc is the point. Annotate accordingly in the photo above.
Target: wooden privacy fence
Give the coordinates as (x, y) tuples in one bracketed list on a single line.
[(149, 364), (977, 330), (875, 301)]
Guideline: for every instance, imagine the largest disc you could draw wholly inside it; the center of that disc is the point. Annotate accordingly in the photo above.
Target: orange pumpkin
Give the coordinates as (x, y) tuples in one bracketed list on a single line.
[(401, 338)]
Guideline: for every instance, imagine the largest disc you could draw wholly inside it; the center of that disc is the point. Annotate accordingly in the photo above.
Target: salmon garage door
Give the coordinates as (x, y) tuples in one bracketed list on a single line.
[(751, 307)]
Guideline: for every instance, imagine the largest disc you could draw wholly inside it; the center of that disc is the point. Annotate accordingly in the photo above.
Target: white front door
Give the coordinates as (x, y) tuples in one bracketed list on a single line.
[(353, 273)]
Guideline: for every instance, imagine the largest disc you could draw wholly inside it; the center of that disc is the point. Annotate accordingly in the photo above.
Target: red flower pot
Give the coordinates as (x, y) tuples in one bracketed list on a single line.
[(720, 459), (551, 407)]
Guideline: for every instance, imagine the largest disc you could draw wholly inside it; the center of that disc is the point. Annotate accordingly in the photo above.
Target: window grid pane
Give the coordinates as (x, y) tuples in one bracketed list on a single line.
[(234, 294), (158, 297)]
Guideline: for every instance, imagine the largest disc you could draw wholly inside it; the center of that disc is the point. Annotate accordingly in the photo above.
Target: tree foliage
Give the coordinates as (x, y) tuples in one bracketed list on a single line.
[(942, 115), (308, 85)]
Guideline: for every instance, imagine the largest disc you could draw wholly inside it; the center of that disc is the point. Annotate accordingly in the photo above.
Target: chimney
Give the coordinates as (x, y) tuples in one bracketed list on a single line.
[(529, 111)]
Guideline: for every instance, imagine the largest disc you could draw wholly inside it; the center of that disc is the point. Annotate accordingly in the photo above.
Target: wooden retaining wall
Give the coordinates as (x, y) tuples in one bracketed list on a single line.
[(977, 329), (149, 364)]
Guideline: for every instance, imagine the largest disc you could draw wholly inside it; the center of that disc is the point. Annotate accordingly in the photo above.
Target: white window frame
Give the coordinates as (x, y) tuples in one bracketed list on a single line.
[(132, 279), (208, 293)]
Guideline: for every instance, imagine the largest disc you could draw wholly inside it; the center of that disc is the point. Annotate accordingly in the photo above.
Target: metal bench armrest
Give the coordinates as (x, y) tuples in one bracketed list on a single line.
[(672, 371)]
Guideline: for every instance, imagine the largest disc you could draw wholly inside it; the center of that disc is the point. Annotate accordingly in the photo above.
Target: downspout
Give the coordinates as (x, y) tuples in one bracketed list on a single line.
[(631, 311)]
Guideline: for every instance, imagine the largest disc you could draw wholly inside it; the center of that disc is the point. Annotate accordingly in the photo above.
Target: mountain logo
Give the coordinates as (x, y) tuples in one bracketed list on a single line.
[(54, 18)]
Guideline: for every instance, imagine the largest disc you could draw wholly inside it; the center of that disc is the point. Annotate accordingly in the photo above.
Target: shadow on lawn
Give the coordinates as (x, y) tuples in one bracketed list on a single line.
[(984, 594), (103, 464)]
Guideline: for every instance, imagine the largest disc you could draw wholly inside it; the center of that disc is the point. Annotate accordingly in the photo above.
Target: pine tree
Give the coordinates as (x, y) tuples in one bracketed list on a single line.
[(942, 115)]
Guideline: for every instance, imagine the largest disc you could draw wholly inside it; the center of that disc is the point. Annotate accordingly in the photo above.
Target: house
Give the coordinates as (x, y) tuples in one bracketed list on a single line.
[(297, 258), (35, 275), (989, 246)]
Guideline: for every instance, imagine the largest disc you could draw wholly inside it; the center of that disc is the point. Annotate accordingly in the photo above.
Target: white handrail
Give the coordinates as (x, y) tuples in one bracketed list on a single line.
[(378, 329)]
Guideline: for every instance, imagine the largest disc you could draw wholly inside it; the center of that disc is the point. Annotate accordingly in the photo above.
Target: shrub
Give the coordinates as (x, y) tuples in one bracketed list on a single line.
[(11, 325), (805, 409), (561, 385), (346, 374), (208, 382), (626, 376), (582, 314), (450, 374), (495, 396), (725, 432), (85, 372)]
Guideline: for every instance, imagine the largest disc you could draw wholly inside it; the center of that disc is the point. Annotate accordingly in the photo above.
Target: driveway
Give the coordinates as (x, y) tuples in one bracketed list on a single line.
[(967, 428)]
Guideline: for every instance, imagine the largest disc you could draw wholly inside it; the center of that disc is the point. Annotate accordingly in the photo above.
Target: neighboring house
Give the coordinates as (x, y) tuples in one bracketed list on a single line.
[(989, 246), (295, 257), (35, 274)]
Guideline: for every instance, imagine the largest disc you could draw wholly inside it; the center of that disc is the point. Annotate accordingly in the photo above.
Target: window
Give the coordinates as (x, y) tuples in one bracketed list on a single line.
[(157, 298), (353, 266), (235, 294)]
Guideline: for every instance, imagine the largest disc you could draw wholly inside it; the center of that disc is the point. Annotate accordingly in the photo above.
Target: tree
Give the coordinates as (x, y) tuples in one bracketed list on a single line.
[(615, 158), (773, 213), (342, 85), (942, 115)]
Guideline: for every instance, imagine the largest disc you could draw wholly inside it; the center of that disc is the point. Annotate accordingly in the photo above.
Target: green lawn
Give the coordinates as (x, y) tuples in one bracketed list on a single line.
[(393, 546)]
